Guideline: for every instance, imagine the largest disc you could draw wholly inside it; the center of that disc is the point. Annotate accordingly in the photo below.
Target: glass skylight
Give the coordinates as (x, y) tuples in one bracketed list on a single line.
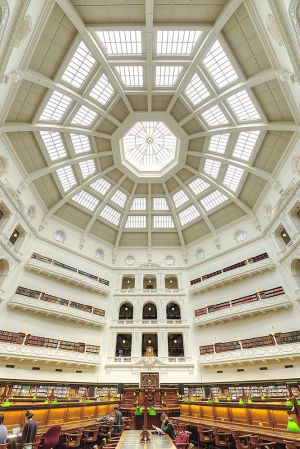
[(219, 66), (188, 215), (218, 143), (233, 176), (131, 75), (180, 198), (84, 116), (139, 204), (149, 146), (245, 144), (196, 90), (119, 198), (166, 75), (160, 204), (212, 167), (176, 42), (54, 145), (66, 177), (111, 215), (198, 186), (136, 221), (163, 221), (87, 168), (243, 107), (103, 90), (101, 186), (56, 107), (81, 143), (79, 67), (212, 200), (85, 199), (121, 42), (214, 116)]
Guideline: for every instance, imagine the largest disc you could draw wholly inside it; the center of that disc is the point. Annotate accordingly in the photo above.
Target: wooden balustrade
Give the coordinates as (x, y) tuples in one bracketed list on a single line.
[(242, 263)]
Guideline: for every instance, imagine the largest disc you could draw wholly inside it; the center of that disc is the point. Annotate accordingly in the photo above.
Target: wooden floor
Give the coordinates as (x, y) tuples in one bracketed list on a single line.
[(130, 439)]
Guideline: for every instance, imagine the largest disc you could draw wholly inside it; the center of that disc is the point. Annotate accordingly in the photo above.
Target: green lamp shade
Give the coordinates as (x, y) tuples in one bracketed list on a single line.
[(55, 401), (241, 402), (292, 426), (5, 404), (289, 403), (250, 401), (298, 401), (138, 411), (46, 401), (216, 400), (209, 401), (263, 398), (152, 411)]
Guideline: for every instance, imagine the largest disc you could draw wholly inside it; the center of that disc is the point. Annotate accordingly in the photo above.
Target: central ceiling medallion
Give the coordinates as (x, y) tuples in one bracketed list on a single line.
[(149, 146)]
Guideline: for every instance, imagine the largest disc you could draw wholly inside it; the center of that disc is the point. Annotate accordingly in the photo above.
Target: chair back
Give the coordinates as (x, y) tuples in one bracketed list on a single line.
[(3, 446), (51, 437), (205, 435), (241, 441), (288, 444)]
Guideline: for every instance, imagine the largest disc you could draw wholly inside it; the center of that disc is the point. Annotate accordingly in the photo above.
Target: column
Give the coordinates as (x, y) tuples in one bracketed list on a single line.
[(136, 349), (162, 343)]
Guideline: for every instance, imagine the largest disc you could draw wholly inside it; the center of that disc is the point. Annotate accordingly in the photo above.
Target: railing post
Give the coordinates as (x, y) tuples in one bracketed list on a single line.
[(214, 348), (258, 295), (275, 339), (241, 344), (41, 295)]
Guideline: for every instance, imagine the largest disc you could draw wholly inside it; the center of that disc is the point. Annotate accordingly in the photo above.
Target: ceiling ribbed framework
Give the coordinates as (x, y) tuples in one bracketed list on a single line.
[(200, 64)]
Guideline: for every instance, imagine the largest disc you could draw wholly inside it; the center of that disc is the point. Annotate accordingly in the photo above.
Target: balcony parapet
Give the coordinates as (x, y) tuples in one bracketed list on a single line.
[(12, 351), (146, 323), (230, 311), (288, 351), (149, 362), (53, 268), (246, 268), (66, 312), (149, 292)]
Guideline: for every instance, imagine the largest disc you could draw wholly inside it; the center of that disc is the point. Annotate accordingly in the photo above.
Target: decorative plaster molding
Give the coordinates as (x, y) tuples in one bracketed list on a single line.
[(164, 324), (23, 353), (53, 309), (289, 351), (293, 10), (241, 310), (150, 362)]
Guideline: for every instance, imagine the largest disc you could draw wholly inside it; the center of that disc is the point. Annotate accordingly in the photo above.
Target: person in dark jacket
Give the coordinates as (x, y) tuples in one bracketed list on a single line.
[(30, 428), (168, 428)]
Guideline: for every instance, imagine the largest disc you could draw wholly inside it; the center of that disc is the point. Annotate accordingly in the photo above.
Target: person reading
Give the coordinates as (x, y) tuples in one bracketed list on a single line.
[(167, 428), (3, 430)]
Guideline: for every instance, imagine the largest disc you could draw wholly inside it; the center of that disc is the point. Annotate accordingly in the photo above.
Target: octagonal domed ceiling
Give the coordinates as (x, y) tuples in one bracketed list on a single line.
[(144, 123)]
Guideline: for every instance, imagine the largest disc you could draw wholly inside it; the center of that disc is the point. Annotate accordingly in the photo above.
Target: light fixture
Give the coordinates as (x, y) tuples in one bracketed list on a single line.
[(175, 341), (283, 234), (173, 309), (124, 342), (128, 281), (171, 281), (149, 341), (15, 234), (149, 281), (126, 308), (149, 308)]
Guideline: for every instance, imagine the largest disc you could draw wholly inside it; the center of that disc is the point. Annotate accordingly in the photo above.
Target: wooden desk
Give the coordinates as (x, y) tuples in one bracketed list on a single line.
[(130, 439)]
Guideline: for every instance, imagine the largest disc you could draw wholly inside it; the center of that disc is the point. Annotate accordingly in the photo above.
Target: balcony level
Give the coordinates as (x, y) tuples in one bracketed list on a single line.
[(269, 347), (149, 292), (49, 305), (162, 363), (259, 302), (151, 322), (245, 268), (23, 347), (72, 275)]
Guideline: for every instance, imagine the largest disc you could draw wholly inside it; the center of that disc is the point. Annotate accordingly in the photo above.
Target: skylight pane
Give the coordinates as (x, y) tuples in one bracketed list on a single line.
[(81, 143), (219, 66), (119, 198), (245, 145), (85, 199), (79, 67), (212, 200), (111, 215), (66, 177), (180, 198), (198, 186), (139, 204), (84, 116), (121, 42), (188, 215), (131, 75), (101, 186), (166, 75), (160, 204), (103, 90), (176, 42), (214, 116), (218, 143), (87, 168), (56, 107), (212, 168), (196, 90), (136, 221), (243, 107), (163, 221), (54, 145), (232, 177)]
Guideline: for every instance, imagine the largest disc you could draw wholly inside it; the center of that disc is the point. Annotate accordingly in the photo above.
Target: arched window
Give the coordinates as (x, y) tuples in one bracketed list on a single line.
[(173, 311), (17, 237), (4, 215), (149, 311), (126, 311), (4, 269)]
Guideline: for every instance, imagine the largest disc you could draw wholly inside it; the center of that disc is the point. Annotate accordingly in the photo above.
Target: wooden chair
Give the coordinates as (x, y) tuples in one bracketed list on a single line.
[(73, 440), (257, 443), (206, 437), (34, 445), (3, 446), (288, 444), (104, 430), (117, 430), (241, 441), (222, 439), (90, 435)]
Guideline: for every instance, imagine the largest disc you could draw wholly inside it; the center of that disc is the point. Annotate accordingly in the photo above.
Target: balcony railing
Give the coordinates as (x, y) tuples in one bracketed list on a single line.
[(227, 274), (21, 345), (274, 346), (149, 322), (26, 298), (150, 291), (273, 298), (72, 274), (149, 360)]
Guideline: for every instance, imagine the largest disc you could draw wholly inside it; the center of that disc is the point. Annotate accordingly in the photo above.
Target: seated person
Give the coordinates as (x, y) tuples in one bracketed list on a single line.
[(182, 440), (3, 430), (168, 428)]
